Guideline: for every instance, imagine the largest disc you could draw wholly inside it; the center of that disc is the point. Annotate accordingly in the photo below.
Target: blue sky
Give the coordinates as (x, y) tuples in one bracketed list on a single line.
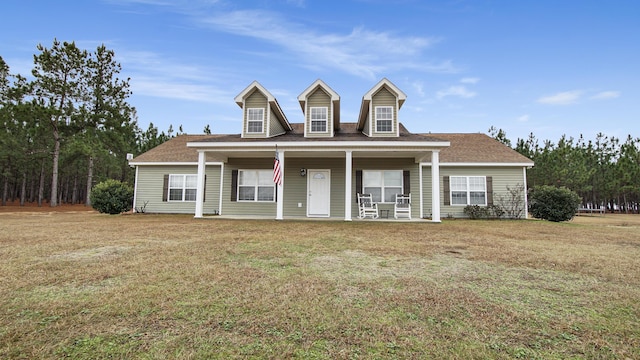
[(548, 67)]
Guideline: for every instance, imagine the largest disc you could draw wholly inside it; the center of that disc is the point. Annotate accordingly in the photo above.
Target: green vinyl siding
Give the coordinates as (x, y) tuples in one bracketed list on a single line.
[(255, 100), (388, 164), (275, 127), (501, 177), (150, 184), (318, 98), (384, 98), (296, 185)]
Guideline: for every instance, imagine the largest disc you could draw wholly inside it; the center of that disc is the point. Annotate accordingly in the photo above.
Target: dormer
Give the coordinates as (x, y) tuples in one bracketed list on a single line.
[(379, 110), (262, 116), (321, 108)]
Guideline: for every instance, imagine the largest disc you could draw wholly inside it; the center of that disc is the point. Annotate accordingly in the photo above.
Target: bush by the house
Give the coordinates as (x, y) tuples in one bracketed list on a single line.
[(553, 203), (476, 212), (112, 197)]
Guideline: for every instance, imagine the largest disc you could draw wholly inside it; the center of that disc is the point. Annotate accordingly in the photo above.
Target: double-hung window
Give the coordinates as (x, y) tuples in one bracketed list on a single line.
[(318, 119), (383, 185), (255, 120), (182, 187), (468, 190), (384, 118), (256, 185)]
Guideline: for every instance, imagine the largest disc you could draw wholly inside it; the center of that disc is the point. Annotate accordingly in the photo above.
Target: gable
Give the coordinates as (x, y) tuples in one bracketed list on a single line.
[(383, 94), (258, 123)]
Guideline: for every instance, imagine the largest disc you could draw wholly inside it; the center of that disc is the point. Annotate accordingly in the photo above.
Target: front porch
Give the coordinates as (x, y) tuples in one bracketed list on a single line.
[(320, 182)]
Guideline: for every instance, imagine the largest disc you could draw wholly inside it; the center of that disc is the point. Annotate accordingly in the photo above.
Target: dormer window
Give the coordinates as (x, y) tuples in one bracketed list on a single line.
[(255, 120), (384, 118), (319, 119)]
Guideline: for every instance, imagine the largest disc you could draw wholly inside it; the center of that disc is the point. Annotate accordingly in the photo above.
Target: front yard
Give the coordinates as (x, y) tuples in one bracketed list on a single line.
[(82, 285)]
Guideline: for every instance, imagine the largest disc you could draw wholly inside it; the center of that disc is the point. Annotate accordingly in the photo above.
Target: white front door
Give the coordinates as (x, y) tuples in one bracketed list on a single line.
[(318, 192)]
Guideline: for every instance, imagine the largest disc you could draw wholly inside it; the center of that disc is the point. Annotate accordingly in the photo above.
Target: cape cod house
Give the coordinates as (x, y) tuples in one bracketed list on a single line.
[(324, 164)]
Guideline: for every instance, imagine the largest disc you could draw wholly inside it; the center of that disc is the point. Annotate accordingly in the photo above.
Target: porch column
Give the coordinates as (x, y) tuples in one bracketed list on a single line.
[(526, 198), (280, 189), (435, 186), (202, 159), (347, 185)]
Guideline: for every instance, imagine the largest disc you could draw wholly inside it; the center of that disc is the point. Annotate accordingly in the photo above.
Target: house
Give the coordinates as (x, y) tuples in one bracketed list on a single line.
[(325, 162)]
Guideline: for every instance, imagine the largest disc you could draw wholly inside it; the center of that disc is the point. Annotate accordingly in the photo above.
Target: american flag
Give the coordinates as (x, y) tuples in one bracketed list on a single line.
[(277, 171)]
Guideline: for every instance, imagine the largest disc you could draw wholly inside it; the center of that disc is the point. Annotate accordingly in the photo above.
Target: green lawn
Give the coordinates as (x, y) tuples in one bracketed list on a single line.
[(81, 285)]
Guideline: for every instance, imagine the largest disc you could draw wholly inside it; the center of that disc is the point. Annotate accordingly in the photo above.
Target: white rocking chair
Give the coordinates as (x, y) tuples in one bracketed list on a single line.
[(366, 207), (402, 207)]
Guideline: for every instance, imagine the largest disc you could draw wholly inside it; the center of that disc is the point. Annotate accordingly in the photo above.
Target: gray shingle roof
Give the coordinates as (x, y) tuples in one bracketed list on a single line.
[(465, 148)]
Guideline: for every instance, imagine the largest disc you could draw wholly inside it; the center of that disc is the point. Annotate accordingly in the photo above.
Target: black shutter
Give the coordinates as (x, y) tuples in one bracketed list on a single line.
[(358, 183), (234, 185), (165, 187), (489, 190), (406, 182), (445, 188)]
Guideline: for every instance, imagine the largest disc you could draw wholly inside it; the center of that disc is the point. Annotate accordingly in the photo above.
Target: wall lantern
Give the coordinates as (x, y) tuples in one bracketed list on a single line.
[(303, 172)]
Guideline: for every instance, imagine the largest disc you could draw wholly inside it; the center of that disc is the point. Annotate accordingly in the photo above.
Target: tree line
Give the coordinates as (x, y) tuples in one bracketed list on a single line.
[(604, 172), (68, 126)]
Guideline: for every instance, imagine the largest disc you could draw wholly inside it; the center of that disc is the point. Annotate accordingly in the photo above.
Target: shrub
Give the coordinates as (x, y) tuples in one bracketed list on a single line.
[(476, 212), (496, 211), (553, 203), (112, 197), (511, 204)]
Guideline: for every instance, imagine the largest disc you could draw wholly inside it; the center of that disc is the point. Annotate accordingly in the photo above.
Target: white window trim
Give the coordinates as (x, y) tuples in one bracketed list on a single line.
[(256, 186), (377, 112), (326, 119), (382, 186), (468, 190), (184, 187), (261, 121)]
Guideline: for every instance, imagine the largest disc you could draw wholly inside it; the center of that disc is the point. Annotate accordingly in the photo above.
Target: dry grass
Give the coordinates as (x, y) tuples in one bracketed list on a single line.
[(84, 286)]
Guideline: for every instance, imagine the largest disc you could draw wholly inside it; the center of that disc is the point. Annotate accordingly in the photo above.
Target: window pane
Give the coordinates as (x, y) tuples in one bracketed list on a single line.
[(458, 183), (376, 193), (265, 193), (247, 178), (175, 194), (190, 195), (319, 125), (246, 193), (255, 114), (383, 125), (390, 193), (477, 198), (458, 198), (191, 181), (265, 177), (372, 178), (476, 183), (176, 181), (254, 126), (384, 113), (393, 178), (319, 113)]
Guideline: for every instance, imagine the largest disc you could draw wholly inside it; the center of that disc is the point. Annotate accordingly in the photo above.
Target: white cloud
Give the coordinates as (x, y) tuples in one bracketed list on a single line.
[(357, 52), (523, 118), (561, 98), (469, 80), (455, 90), (157, 76), (418, 86), (606, 95)]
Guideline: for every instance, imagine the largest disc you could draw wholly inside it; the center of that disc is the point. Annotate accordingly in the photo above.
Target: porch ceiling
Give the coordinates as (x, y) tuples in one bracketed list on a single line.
[(419, 155)]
